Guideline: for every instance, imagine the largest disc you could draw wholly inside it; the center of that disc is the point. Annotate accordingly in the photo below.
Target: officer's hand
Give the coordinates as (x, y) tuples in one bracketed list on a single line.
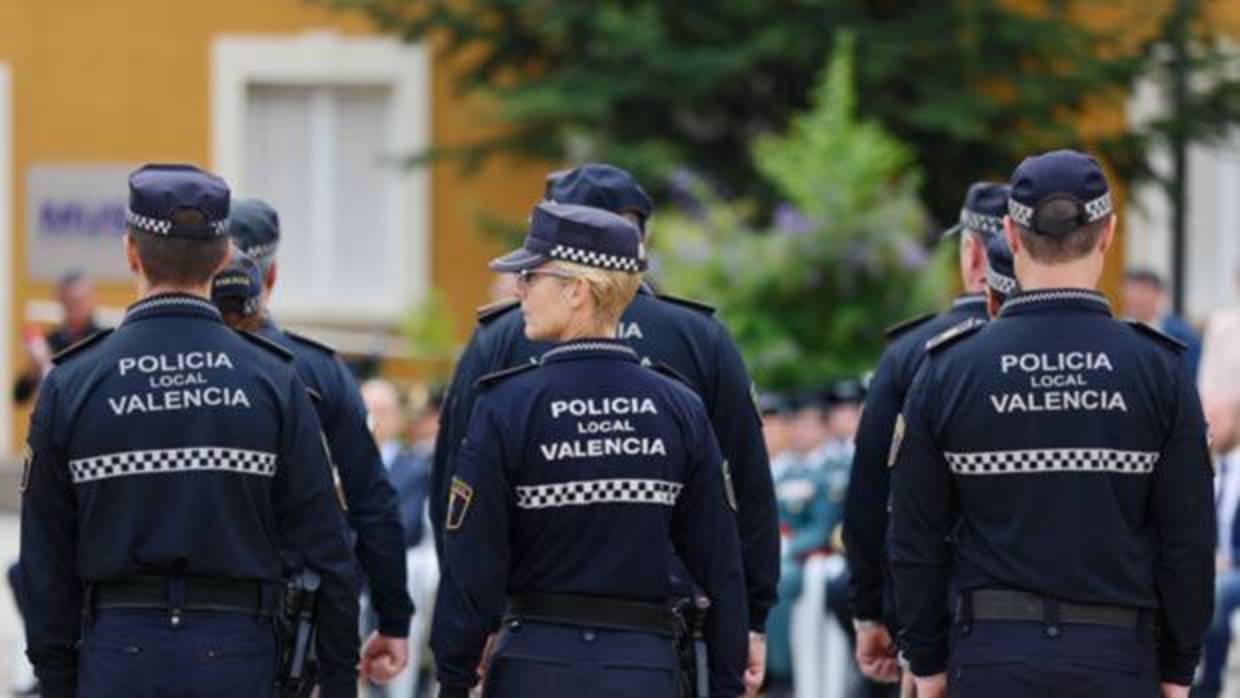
[(931, 686), (876, 654), (755, 669), (383, 658), (485, 663), (1174, 690)]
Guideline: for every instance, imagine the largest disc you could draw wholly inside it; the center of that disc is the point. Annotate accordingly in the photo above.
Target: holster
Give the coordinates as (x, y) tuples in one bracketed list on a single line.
[(295, 631), (690, 614)]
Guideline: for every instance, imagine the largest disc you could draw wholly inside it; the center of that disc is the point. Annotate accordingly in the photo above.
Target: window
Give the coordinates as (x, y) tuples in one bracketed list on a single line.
[(319, 126)]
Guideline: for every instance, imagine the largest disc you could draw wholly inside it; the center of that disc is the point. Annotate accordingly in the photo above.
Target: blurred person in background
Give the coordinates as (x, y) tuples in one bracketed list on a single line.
[(1145, 299), (776, 412), (409, 468), (76, 295), (373, 512), (1218, 379), (1210, 681)]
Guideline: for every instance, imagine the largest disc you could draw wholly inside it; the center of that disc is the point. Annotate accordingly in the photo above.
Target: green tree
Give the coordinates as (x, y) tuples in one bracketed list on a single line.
[(653, 85), (807, 296)]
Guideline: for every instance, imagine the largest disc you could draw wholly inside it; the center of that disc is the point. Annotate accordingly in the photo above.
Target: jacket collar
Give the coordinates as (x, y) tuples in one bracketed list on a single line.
[(165, 304), (590, 349), (1056, 299)]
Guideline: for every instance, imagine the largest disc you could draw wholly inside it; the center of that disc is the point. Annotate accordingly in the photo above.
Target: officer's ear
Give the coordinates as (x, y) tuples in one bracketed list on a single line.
[(131, 254), (1010, 234), (1108, 235), (269, 277)]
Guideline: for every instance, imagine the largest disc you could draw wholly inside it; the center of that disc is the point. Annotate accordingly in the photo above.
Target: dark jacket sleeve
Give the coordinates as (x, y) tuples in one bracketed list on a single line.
[(738, 428), (308, 513), (453, 421), (374, 512), (869, 487), (474, 573), (924, 506), (704, 532), (1184, 518), (48, 561)]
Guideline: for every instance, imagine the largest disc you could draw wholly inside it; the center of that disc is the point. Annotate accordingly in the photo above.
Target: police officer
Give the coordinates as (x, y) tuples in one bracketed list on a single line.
[(1001, 280), (169, 464), (574, 473), (686, 336), (237, 291), (865, 510), (1064, 453), (373, 511)]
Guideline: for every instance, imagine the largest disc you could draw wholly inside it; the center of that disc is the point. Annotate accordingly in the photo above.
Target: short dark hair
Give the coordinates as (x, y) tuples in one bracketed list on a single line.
[(180, 261), (1070, 246), (1144, 275)]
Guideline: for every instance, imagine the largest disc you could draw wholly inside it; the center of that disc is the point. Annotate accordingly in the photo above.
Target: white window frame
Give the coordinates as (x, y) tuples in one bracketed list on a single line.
[(6, 252), (327, 58)]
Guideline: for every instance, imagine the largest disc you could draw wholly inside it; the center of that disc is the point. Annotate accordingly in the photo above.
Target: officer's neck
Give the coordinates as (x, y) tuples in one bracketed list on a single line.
[(579, 330), (1082, 273), (147, 289)]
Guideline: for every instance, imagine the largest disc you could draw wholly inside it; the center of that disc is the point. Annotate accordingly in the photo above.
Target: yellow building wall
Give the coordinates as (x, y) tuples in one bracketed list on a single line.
[(128, 81)]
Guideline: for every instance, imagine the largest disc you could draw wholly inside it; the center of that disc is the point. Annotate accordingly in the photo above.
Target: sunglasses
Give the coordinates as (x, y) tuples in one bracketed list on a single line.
[(526, 276)]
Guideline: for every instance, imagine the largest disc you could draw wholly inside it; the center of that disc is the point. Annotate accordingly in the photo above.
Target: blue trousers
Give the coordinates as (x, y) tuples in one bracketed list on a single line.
[(142, 654), (1021, 660), (1218, 637), (535, 660)]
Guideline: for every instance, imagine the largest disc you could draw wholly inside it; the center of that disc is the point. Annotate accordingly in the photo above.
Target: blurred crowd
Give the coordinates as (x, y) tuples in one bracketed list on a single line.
[(809, 435)]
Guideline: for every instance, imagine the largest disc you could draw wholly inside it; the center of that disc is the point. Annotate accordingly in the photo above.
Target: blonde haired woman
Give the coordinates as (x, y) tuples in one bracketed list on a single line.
[(575, 474)]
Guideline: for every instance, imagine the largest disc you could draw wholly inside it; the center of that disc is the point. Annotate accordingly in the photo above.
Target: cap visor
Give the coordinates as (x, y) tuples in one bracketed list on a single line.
[(517, 260), (952, 231)]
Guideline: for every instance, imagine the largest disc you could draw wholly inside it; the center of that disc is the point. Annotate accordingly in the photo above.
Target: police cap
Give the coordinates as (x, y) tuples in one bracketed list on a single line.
[(238, 287), (161, 195), (580, 234), (601, 186), (1058, 192), (1000, 272), (255, 228), (985, 204)]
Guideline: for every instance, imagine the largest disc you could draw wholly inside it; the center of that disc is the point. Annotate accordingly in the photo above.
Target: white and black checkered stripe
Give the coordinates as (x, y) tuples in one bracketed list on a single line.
[(261, 253), (163, 227), (980, 222), (591, 258), (585, 492), (173, 460), (1095, 209), (1000, 282), (1053, 460)]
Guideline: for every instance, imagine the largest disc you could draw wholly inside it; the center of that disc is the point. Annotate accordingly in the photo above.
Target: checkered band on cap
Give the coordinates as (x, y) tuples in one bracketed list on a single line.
[(1053, 460), (591, 258), (1095, 210), (1000, 282), (261, 252), (172, 460), (586, 492), (991, 225), (1020, 213), (163, 227)]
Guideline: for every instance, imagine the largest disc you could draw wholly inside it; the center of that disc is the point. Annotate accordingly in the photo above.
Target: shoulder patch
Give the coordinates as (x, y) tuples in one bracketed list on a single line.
[(491, 311), (905, 325), (699, 306), (306, 340), (1151, 331), (499, 376), (666, 370), (268, 345), (954, 334), (64, 354)]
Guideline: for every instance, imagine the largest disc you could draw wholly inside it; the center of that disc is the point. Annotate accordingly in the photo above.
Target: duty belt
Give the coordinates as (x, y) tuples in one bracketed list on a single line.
[(177, 594), (592, 612), (1010, 605)]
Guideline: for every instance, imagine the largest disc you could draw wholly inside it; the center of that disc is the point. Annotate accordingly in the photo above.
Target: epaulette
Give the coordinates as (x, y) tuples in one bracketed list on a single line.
[(1151, 331), (688, 303), (306, 340), (60, 356), (666, 370), (490, 311), (268, 345), (497, 376), (954, 334), (905, 325)]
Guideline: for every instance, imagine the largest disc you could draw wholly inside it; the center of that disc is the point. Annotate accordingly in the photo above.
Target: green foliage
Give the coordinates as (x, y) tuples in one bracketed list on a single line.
[(431, 333), (808, 295), (970, 86)]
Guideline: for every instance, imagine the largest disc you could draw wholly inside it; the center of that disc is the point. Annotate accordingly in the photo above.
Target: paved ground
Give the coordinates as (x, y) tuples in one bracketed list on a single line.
[(12, 644)]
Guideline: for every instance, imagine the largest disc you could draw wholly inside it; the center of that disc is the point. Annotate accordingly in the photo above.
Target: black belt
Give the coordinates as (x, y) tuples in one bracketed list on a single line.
[(1009, 605), (592, 612), (185, 594)]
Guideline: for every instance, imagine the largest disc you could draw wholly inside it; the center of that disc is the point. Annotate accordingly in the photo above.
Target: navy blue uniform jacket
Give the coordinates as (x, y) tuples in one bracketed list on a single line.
[(573, 477), (175, 446), (686, 337)]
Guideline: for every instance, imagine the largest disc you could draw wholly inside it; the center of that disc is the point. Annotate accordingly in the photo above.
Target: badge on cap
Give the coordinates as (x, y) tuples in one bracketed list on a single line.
[(460, 497)]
